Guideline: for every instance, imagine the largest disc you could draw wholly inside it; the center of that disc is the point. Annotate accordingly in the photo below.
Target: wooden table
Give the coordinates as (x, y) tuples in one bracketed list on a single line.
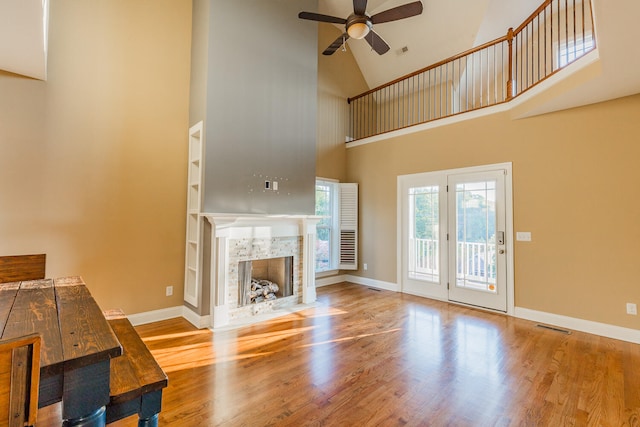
[(77, 343)]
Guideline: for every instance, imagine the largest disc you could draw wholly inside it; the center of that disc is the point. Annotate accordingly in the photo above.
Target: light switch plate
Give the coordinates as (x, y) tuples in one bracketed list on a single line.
[(523, 236)]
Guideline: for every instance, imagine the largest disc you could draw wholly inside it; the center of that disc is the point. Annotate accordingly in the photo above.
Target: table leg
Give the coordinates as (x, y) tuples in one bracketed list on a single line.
[(150, 406), (85, 395)]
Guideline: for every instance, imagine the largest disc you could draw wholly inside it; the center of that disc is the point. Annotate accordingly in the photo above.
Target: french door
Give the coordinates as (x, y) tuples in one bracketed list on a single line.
[(477, 246), (453, 235)]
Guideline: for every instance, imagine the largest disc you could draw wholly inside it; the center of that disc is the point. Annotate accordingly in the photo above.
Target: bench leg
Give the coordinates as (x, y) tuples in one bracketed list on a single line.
[(148, 422)]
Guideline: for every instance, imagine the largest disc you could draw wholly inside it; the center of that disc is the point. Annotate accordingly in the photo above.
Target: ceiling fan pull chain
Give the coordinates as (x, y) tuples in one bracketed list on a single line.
[(344, 44)]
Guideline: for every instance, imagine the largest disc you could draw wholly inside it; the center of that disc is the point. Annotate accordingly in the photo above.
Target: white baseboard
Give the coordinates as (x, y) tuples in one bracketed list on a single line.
[(170, 313), (596, 328), (378, 284), (330, 280), (195, 319), (155, 315)]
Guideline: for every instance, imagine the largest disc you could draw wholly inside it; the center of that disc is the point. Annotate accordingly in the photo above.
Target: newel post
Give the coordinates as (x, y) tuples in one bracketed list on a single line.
[(510, 78)]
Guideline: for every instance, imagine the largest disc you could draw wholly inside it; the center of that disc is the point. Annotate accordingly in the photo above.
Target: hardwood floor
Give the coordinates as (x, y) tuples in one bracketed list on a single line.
[(364, 357)]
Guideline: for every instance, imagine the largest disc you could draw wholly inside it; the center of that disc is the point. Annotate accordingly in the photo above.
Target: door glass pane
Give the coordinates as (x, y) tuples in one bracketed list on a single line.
[(476, 236), (424, 245)]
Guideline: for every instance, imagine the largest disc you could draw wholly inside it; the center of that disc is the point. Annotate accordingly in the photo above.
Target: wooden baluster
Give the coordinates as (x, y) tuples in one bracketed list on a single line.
[(510, 69)]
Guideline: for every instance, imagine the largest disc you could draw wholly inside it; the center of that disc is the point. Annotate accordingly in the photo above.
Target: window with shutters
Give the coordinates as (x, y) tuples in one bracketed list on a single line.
[(348, 222)]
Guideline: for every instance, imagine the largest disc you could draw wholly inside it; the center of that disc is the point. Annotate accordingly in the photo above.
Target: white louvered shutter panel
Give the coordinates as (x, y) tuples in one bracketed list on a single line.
[(348, 226)]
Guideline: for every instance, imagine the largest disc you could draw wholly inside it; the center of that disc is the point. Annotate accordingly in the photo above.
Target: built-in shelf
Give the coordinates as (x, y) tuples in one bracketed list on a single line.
[(193, 255)]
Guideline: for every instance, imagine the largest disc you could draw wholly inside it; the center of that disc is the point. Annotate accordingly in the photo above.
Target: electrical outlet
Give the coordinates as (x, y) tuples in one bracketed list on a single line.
[(169, 291), (365, 266), (632, 309)]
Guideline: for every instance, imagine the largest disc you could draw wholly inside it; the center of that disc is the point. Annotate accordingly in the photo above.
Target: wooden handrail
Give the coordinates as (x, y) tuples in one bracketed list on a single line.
[(532, 17), (431, 67)]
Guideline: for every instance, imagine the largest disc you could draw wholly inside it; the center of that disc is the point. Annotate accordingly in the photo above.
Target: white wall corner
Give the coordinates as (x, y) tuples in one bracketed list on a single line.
[(308, 226), (195, 319)]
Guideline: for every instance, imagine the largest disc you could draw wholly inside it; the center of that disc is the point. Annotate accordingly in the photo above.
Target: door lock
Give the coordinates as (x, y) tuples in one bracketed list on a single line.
[(500, 237)]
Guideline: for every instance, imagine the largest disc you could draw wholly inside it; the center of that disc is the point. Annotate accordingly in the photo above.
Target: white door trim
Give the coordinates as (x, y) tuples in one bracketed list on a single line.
[(402, 181)]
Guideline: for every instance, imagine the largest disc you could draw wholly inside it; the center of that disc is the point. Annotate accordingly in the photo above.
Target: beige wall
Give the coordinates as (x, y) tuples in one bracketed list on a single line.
[(574, 174), (93, 161)]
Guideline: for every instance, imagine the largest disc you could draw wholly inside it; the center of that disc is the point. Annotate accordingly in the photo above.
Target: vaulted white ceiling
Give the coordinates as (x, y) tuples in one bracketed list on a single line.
[(445, 28)]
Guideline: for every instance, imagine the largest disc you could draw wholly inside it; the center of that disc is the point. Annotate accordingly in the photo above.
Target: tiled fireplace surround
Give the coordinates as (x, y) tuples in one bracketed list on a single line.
[(236, 238)]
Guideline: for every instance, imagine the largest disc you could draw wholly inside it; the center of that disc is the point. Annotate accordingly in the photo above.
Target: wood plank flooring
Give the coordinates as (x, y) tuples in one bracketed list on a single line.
[(364, 357)]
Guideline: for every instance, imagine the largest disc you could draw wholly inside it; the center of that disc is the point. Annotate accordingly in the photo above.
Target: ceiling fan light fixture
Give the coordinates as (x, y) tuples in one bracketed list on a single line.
[(358, 30), (359, 25)]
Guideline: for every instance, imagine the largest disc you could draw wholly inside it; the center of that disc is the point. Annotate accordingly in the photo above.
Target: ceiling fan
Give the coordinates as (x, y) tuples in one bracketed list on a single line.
[(359, 25)]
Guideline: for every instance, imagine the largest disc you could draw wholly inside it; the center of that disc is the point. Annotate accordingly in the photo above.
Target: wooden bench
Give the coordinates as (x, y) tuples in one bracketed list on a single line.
[(136, 378)]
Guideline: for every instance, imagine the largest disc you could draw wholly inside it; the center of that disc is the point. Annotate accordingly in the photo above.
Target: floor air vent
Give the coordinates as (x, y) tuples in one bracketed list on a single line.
[(551, 328)]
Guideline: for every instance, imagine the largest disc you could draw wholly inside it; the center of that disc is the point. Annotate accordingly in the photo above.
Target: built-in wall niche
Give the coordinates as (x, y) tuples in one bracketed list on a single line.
[(193, 255), (263, 280)]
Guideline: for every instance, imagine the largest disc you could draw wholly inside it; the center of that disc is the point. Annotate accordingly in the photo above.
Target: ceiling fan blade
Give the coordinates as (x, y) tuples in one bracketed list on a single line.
[(376, 43), (405, 11), (321, 18), (359, 7), (336, 44)]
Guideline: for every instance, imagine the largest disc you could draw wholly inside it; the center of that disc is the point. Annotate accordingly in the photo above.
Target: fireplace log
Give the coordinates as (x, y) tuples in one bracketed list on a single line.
[(263, 290)]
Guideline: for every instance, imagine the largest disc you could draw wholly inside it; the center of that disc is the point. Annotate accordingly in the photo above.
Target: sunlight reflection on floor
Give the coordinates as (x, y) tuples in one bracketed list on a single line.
[(221, 346)]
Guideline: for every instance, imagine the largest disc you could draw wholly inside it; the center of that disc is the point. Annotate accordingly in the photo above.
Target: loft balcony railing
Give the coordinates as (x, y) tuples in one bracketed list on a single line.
[(558, 33)]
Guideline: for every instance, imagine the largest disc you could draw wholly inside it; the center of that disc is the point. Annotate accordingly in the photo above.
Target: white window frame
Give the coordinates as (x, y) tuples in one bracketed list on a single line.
[(334, 227)]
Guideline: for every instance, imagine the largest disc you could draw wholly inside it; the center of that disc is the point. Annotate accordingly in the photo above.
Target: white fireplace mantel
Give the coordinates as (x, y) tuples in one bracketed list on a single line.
[(244, 226)]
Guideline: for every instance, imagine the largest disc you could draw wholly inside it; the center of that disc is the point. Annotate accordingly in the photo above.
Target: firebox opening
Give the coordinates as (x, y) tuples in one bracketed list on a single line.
[(264, 280)]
